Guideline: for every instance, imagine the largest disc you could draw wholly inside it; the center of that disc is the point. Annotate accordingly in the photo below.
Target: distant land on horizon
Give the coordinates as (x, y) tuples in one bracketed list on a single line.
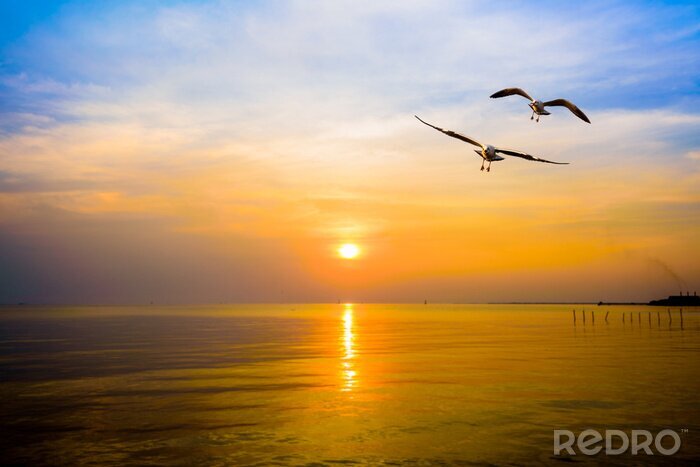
[(672, 300)]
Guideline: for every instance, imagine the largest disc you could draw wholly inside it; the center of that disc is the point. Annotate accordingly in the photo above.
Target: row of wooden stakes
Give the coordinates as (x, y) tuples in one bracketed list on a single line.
[(631, 317)]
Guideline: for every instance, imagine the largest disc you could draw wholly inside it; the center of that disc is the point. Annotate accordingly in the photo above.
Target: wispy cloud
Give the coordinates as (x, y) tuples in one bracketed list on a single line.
[(291, 123)]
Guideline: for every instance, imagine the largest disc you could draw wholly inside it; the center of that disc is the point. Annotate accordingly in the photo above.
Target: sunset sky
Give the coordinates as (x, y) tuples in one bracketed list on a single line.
[(208, 152)]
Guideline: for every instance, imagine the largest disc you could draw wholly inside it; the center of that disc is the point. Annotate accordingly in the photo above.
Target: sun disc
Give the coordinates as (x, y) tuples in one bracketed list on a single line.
[(348, 251)]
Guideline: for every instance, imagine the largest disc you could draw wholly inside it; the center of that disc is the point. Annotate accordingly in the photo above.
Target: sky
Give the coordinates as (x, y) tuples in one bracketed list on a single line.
[(212, 151)]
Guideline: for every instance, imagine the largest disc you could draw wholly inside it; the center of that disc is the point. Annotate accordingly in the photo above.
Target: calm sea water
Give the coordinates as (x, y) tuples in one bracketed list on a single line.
[(340, 384)]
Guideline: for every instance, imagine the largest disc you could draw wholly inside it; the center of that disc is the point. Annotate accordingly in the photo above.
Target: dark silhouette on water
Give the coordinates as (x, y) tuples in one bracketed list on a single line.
[(678, 300), (681, 318)]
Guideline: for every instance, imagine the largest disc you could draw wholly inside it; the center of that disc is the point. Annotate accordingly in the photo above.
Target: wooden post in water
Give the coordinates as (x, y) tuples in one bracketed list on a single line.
[(631, 318), (574, 317), (584, 316), (639, 317), (623, 317), (681, 319), (592, 317), (658, 318), (606, 315), (670, 320), (650, 319)]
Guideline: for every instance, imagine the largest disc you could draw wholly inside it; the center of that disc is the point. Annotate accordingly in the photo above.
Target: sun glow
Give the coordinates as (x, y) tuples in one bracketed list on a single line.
[(348, 251)]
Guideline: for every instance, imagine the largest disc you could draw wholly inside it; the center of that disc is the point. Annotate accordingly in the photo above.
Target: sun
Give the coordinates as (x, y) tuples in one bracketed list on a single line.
[(348, 251)]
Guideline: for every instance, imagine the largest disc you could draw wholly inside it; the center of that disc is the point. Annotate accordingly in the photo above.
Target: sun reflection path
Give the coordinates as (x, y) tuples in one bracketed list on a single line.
[(348, 340)]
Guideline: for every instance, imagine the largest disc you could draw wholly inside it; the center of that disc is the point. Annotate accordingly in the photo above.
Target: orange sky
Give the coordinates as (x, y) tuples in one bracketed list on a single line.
[(175, 185)]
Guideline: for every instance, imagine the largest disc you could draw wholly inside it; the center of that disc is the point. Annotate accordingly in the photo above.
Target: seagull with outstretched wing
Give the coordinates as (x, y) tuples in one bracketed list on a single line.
[(538, 107), (489, 153)]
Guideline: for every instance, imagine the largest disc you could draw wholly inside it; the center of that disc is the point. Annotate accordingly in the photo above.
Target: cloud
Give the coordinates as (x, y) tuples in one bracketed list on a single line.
[(291, 124), (216, 53)]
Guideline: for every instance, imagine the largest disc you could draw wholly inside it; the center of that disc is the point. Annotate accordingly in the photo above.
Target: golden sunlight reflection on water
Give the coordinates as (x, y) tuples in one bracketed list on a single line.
[(348, 342)]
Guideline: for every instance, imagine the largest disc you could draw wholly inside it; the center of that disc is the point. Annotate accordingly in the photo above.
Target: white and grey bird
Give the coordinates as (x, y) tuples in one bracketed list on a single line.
[(538, 107), (489, 153)]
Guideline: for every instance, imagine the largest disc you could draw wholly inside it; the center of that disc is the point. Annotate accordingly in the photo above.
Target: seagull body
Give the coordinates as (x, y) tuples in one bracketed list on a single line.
[(489, 153), (538, 107)]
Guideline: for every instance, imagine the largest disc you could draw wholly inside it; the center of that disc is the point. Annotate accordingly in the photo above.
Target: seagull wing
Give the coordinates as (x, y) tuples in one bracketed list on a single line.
[(510, 92), (453, 134), (569, 105), (524, 155)]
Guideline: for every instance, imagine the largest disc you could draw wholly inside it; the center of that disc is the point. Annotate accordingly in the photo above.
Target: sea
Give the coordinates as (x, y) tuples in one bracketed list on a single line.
[(344, 384)]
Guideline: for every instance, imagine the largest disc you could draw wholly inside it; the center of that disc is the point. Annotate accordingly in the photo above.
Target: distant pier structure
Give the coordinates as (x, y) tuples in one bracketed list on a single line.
[(678, 300)]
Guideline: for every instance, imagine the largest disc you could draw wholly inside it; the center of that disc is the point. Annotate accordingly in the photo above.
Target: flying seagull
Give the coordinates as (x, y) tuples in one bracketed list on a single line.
[(489, 153), (538, 106)]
